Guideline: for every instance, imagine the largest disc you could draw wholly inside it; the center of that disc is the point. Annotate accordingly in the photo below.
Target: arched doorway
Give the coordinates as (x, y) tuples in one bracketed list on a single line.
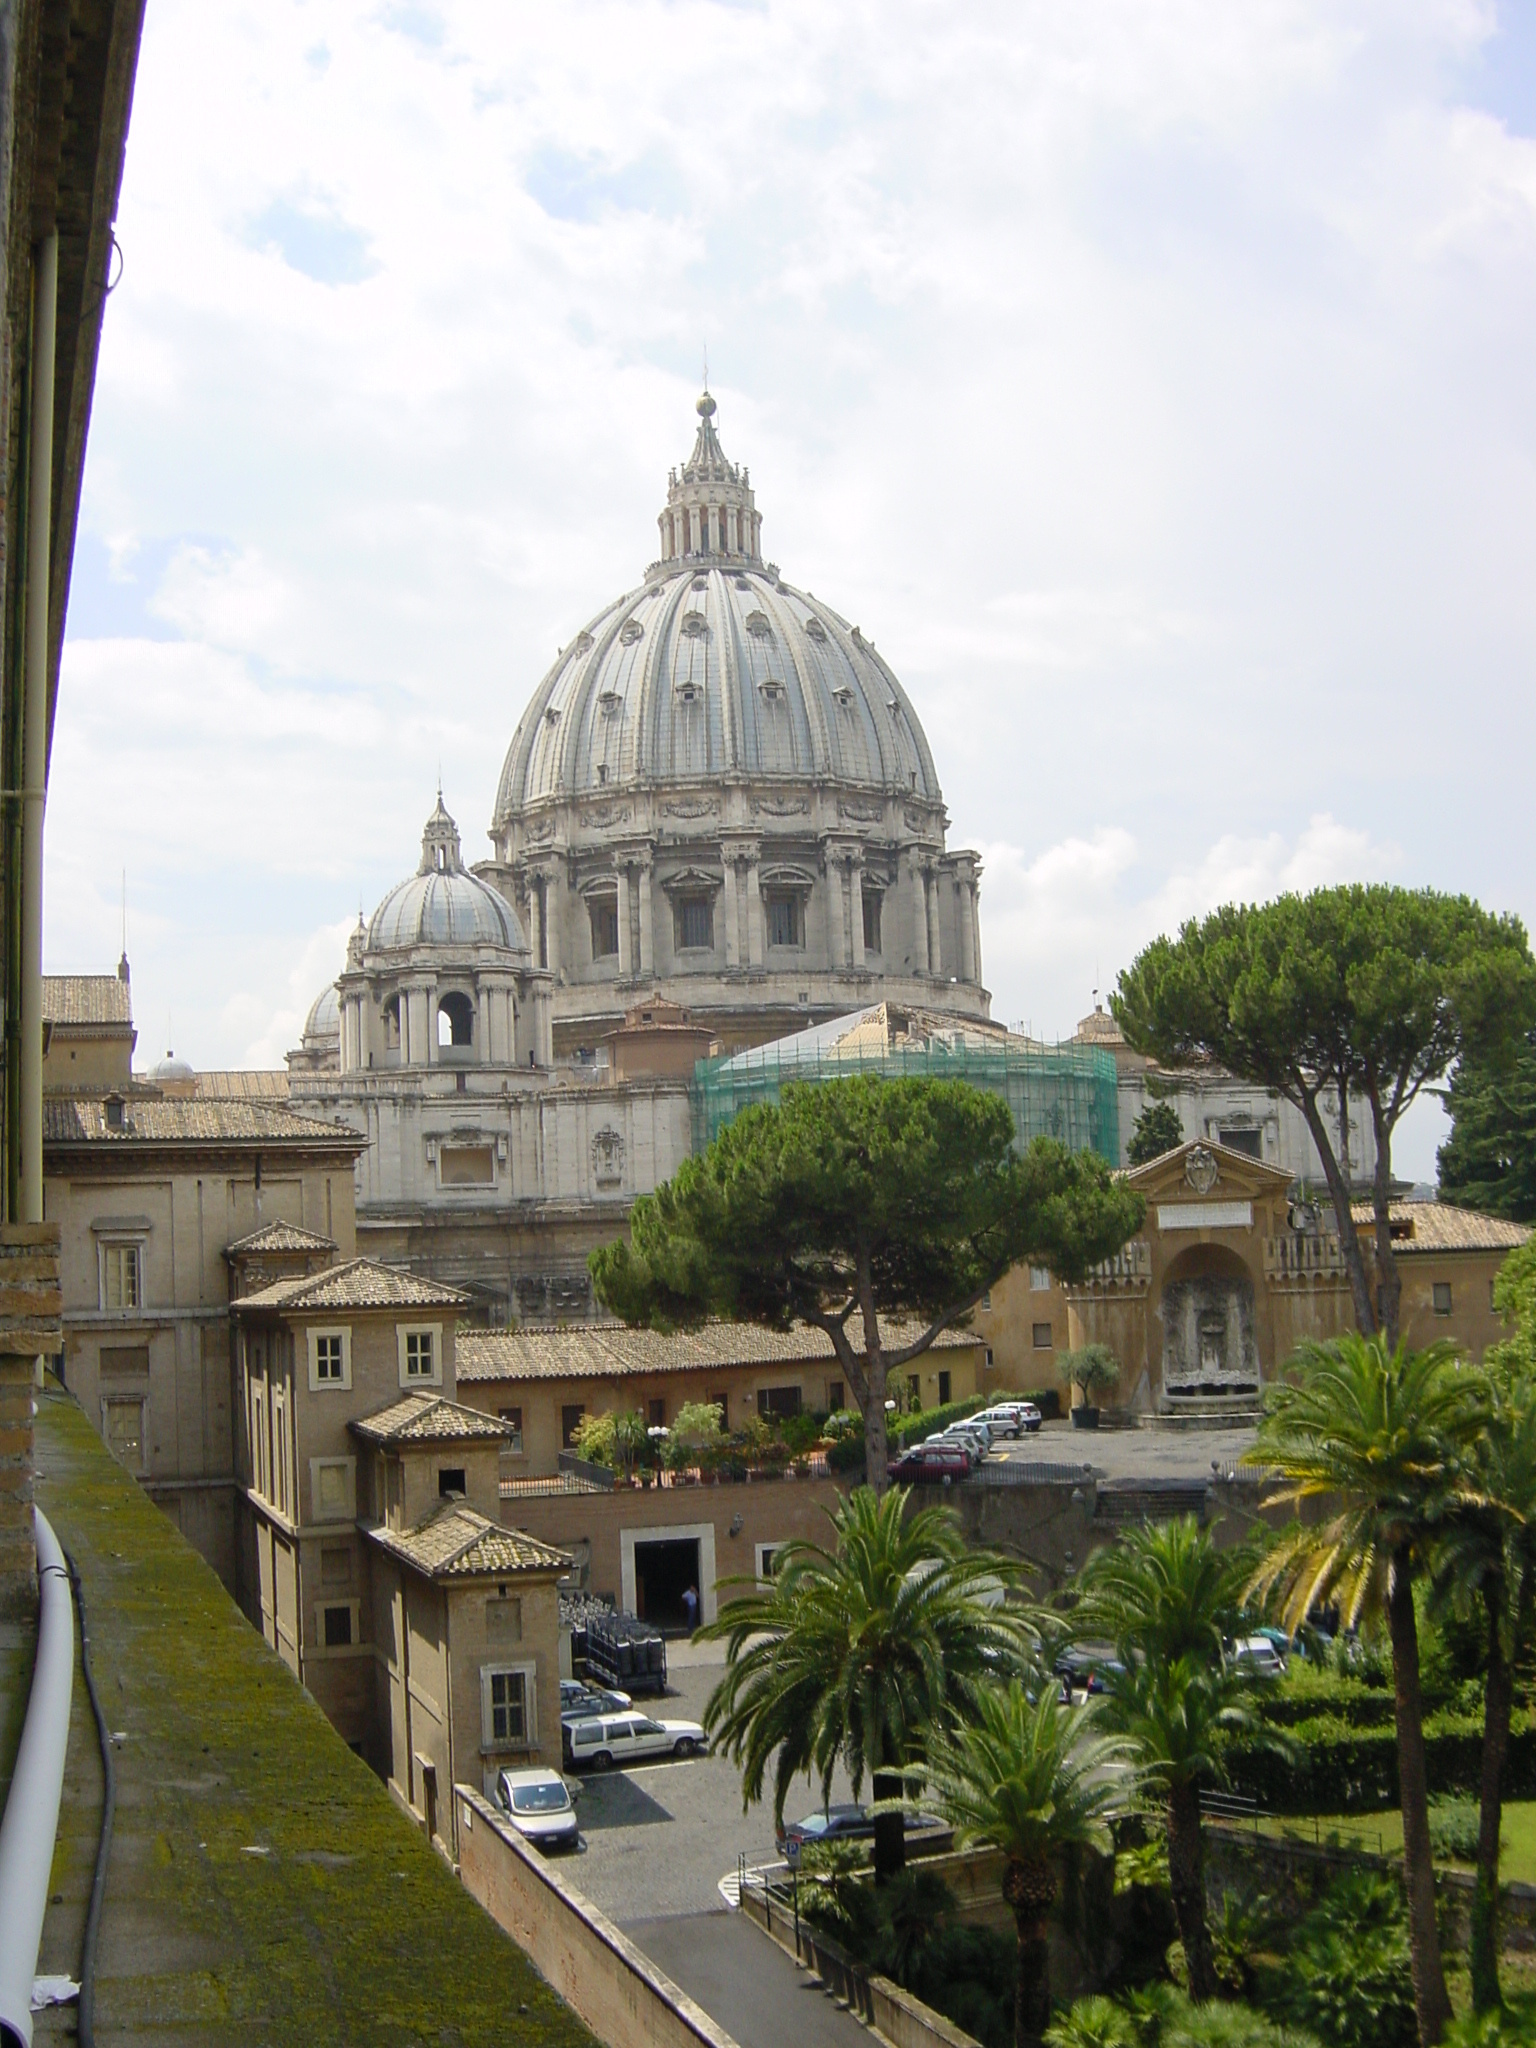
[(1210, 1345)]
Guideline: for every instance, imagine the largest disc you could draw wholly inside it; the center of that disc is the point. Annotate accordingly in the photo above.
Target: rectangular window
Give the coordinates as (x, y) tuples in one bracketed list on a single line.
[(990, 1359), (332, 1487), (1442, 1291), (570, 1422), (466, 1166), (513, 1417), (657, 1416), (281, 1497), (723, 1403), (695, 923), (1042, 1336), (778, 1401), (604, 912), (1040, 1279), (1251, 1142), (338, 1627), (122, 1277), (420, 1356), (785, 927), (944, 1386), (450, 1479), (871, 921), (835, 1396), (330, 1359), (122, 1424), (506, 1706)]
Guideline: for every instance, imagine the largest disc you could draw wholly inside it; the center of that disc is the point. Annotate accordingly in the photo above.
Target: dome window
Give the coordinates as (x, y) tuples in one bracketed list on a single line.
[(786, 918), (844, 696), (581, 644), (758, 626), (603, 910), (815, 629), (611, 701), (694, 626), (551, 716), (772, 689), (455, 1020), (630, 632), (701, 583), (695, 921), (687, 693)]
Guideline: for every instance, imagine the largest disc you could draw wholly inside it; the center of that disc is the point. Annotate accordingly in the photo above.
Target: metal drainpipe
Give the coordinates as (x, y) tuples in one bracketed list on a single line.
[(32, 1811), (35, 724)]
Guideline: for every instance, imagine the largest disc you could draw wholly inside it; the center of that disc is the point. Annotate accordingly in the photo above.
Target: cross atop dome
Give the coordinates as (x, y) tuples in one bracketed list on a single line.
[(440, 843), (710, 509)]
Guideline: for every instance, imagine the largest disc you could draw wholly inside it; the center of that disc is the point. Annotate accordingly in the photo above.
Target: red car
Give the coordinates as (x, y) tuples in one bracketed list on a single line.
[(930, 1465)]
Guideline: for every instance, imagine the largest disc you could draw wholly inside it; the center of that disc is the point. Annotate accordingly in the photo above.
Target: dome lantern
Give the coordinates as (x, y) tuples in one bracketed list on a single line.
[(710, 510)]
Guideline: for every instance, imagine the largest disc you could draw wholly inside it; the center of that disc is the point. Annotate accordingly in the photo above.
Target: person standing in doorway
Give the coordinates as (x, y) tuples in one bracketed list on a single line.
[(691, 1608)]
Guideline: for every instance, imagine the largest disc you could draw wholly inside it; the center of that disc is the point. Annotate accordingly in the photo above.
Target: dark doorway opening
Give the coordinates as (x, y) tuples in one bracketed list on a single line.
[(663, 1574)]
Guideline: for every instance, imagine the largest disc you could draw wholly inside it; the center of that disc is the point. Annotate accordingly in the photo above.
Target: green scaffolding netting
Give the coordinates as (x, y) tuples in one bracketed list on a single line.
[(1066, 1092)]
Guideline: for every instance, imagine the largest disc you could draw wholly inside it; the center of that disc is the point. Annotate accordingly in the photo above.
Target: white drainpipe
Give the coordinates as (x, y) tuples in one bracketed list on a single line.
[(32, 1810)]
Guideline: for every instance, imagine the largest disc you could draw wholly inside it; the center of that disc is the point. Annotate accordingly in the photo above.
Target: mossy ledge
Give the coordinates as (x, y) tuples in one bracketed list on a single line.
[(264, 1885)]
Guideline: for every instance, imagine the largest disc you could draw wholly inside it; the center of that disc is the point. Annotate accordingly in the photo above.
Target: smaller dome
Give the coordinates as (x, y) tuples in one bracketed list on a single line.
[(443, 904), (324, 1019), (173, 1069)]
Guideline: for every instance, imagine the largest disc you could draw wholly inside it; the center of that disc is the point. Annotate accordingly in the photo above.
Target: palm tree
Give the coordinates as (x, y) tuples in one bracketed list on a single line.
[(1488, 1554), (1376, 1434), (854, 1652), (1032, 1779), (1168, 1598)]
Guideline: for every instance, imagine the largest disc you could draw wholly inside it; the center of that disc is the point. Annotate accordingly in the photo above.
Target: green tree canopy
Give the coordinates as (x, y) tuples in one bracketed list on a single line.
[(1364, 990), (1489, 1160), (857, 1199), (1158, 1130)]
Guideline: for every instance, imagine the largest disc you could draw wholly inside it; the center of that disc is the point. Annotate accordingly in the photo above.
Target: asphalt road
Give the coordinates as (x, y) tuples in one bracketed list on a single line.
[(747, 1983), (1130, 1453)]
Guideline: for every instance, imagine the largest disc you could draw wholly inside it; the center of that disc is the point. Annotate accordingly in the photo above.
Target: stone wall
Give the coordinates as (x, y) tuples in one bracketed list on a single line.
[(601, 1975), (31, 1327)]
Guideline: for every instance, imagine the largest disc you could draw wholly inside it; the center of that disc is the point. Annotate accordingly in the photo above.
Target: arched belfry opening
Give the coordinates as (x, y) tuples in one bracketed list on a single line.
[(456, 1020)]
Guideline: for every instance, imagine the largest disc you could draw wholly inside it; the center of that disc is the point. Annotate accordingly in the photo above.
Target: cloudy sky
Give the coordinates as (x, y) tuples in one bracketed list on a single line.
[(1151, 379)]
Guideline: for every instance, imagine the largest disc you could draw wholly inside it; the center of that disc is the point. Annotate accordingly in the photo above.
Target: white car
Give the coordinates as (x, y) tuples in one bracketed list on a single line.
[(971, 1432), (1257, 1654), (539, 1805), (617, 1739), (1007, 1419)]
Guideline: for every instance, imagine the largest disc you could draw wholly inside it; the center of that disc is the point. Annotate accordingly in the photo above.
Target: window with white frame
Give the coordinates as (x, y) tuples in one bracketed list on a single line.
[(122, 1275), (421, 1362), (1040, 1279), (333, 1489), (330, 1359), (507, 1706)]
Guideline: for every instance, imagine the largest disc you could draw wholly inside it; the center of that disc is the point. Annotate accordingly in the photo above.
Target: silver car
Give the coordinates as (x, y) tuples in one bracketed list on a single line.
[(539, 1805)]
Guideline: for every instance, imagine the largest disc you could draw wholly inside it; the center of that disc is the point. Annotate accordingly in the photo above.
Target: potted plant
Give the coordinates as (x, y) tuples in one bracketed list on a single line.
[(1092, 1369)]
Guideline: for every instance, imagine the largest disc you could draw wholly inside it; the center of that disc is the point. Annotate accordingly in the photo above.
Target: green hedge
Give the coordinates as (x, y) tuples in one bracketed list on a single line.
[(1288, 1705), (1339, 1766)]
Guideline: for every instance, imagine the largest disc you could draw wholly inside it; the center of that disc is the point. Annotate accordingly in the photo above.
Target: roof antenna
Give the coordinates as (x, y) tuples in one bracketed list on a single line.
[(706, 366), (122, 965)]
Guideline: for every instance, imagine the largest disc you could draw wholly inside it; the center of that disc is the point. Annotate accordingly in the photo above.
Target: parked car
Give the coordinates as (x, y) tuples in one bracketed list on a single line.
[(1084, 1669), (848, 1824), (539, 1805), (930, 1465), (1003, 1420), (980, 1440), (971, 1425), (1030, 1417), (585, 1700), (1258, 1655), (610, 1739)]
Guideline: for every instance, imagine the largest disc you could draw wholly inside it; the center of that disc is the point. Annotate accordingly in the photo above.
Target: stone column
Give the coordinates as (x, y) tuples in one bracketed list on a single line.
[(31, 1329), (966, 918), (976, 927), (935, 947), (535, 919), (919, 919), (554, 912), (483, 1027), (856, 911), (755, 908), (624, 949), (730, 910), (647, 940)]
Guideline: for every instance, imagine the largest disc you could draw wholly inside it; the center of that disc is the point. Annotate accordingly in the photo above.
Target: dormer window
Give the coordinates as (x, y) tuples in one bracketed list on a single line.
[(815, 629), (610, 700), (551, 716), (772, 689), (114, 1110)]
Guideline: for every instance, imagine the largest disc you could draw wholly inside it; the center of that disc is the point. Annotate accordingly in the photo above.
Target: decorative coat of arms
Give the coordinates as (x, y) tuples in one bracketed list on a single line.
[(1201, 1170), (608, 1157)]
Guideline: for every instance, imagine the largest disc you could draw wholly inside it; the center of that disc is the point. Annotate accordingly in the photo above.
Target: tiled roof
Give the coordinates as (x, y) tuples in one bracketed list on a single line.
[(456, 1542), (428, 1418), (359, 1283), (1441, 1227), (82, 1120), (281, 1237), (232, 1084), (612, 1350), (86, 999)]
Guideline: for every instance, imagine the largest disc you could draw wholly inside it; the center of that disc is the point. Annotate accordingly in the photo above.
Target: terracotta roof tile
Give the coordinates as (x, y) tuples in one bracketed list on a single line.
[(254, 1084), (359, 1283), (1441, 1227), (612, 1350), (86, 999), (456, 1542), (82, 1120), (428, 1418), (281, 1237)]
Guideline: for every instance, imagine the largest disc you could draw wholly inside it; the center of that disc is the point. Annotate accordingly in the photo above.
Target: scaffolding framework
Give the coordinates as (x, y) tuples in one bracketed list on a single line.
[(1067, 1091)]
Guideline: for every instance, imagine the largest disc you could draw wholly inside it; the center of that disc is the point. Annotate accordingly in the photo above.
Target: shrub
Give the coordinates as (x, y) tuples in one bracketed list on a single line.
[(1453, 1828), (1092, 1367), (1163, 2017), (1513, 2026), (846, 1454), (1337, 1767), (908, 1429), (1094, 2023), (1346, 1976)]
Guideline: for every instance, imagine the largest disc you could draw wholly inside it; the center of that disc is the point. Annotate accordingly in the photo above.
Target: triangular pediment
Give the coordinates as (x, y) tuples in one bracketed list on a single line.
[(1200, 1170)]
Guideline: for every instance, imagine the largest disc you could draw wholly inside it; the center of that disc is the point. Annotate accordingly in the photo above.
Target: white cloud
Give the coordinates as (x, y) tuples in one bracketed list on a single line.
[(1151, 382)]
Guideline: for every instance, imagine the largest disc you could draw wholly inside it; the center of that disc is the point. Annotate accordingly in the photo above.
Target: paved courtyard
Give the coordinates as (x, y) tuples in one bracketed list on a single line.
[(1132, 1453)]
